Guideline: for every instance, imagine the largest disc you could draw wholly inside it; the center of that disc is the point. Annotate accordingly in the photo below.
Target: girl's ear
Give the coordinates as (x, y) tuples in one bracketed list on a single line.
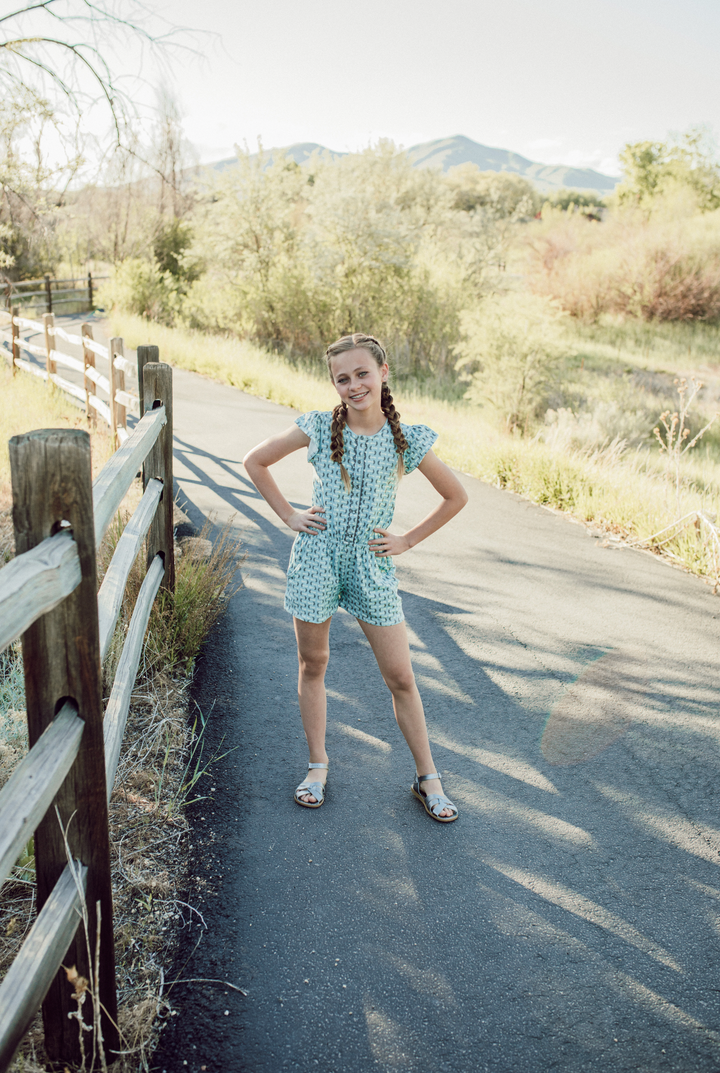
[(384, 372)]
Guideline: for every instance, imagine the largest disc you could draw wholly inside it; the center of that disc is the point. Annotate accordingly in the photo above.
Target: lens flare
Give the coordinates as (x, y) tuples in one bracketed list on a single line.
[(597, 708)]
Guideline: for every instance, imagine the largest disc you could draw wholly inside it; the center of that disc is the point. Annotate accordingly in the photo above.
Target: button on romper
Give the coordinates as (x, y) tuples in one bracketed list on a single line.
[(336, 568)]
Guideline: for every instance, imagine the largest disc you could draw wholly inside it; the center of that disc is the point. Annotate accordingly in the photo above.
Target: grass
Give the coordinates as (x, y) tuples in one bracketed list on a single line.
[(623, 488)]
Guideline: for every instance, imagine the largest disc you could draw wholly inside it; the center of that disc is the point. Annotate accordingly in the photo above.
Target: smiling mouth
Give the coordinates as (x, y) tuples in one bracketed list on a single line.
[(362, 395)]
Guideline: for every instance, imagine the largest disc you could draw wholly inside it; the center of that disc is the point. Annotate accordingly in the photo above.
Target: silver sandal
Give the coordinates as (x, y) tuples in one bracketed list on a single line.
[(317, 789), (433, 803)]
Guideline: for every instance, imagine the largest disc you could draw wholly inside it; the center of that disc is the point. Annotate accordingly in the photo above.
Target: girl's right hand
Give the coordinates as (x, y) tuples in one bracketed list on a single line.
[(311, 520)]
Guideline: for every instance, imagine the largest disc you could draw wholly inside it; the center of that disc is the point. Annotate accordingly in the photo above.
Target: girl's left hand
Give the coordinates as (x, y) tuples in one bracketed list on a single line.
[(388, 543)]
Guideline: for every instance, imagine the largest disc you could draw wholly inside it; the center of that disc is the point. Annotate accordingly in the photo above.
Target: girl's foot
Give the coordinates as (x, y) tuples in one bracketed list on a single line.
[(317, 773), (428, 789)]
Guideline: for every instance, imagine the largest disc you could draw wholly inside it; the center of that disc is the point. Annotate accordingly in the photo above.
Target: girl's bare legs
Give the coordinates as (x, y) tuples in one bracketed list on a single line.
[(392, 652), (313, 654)]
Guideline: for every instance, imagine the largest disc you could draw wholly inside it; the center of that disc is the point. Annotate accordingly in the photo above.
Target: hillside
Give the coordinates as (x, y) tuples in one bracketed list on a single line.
[(446, 153)]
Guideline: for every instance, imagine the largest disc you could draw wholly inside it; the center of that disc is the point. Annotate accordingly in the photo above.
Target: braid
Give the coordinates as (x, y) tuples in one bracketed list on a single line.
[(401, 444), (337, 443)]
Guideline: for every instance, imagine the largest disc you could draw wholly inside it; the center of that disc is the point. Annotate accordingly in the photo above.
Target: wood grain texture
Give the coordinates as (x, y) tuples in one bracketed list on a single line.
[(29, 792), (113, 587), (49, 327), (157, 391), (51, 481), (127, 366), (119, 703), (114, 479), (15, 336), (145, 354), (127, 399), (41, 955), (89, 359), (117, 383), (34, 583)]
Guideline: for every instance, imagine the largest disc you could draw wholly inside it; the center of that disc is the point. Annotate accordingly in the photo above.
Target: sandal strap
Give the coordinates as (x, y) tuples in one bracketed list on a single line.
[(432, 775), (438, 802), (326, 765), (311, 787)]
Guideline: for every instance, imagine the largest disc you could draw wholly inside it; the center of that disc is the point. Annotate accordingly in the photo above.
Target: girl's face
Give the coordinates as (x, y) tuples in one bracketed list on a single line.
[(358, 379)]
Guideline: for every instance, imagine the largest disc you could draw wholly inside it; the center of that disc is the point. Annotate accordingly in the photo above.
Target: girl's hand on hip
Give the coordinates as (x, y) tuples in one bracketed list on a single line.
[(388, 543), (311, 520)]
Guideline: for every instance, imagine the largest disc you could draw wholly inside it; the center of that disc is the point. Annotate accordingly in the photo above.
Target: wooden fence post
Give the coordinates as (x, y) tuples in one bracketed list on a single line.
[(90, 290), (48, 295), (144, 355), (117, 383), (89, 359), (15, 336), (52, 484), (49, 325), (159, 463)]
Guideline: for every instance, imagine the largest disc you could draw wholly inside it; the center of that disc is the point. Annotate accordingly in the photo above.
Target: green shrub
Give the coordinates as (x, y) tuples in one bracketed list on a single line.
[(511, 346)]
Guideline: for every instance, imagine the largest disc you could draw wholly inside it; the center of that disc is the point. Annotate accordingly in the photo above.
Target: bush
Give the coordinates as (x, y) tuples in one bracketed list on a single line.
[(665, 267), (511, 346)]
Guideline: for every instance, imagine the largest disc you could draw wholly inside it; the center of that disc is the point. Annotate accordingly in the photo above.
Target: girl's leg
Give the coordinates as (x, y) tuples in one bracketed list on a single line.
[(313, 654), (392, 652)]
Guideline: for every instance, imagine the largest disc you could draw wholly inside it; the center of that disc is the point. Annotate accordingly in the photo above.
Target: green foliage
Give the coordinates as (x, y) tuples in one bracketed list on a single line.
[(586, 203), (297, 256), (652, 170), (171, 245), (502, 194), (511, 346), (141, 287)]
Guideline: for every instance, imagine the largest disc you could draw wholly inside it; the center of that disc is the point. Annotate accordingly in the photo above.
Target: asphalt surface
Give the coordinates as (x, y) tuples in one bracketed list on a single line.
[(569, 920)]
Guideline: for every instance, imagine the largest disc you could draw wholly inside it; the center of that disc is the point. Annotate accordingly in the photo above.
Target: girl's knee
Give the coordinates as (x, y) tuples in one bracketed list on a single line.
[(401, 681), (313, 664)]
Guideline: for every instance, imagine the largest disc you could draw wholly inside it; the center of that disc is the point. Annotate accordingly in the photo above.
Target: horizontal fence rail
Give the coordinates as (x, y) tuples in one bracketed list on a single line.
[(60, 791), (119, 402), (82, 292)]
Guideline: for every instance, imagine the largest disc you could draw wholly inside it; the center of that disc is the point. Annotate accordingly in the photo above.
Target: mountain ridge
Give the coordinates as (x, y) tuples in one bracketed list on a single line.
[(446, 153)]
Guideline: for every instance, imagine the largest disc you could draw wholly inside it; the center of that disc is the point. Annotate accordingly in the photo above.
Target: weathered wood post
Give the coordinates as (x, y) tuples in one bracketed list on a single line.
[(90, 290), (159, 463), (48, 295), (144, 355), (15, 336), (52, 485), (49, 325), (89, 359), (117, 383)]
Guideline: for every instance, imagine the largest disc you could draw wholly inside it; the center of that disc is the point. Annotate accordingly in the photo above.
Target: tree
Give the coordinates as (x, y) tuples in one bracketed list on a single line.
[(68, 52), (653, 169)]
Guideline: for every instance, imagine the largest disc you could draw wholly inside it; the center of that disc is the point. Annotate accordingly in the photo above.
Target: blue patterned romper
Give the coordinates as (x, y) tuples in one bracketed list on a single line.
[(336, 568)]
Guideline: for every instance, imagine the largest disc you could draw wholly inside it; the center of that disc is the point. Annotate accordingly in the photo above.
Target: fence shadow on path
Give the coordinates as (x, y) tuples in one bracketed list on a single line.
[(563, 922)]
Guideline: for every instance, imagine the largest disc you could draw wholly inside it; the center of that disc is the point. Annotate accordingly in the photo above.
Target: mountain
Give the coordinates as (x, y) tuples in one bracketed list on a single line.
[(300, 153), (446, 153)]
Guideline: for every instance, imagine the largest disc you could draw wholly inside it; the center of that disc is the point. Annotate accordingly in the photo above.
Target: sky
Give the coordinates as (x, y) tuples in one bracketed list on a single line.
[(559, 81)]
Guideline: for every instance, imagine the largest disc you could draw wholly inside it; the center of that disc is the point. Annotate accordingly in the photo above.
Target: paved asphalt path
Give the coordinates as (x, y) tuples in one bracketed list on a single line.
[(570, 919)]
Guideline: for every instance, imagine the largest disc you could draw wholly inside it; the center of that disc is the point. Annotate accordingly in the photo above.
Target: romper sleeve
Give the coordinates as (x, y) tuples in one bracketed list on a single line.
[(420, 439), (310, 424)]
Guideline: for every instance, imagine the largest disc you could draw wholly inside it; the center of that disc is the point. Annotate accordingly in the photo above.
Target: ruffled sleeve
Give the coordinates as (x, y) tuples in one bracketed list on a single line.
[(420, 439), (310, 424)]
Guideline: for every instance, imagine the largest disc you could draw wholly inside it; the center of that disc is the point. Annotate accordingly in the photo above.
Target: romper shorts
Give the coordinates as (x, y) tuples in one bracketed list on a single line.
[(326, 573)]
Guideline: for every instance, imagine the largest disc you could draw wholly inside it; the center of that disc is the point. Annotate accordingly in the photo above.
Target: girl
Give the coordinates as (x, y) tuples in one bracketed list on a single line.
[(342, 555)]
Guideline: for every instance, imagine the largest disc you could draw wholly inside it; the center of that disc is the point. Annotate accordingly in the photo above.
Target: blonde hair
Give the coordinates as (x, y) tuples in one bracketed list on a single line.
[(339, 415)]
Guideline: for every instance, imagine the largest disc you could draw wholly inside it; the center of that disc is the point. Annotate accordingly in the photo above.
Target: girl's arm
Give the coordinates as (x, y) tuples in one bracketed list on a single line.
[(257, 463), (454, 498)]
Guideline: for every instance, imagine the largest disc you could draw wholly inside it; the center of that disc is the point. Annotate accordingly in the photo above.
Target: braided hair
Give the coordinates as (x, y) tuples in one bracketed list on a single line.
[(339, 414)]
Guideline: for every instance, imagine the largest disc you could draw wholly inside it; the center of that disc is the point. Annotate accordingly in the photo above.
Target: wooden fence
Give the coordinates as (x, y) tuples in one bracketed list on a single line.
[(53, 292), (60, 791), (119, 401)]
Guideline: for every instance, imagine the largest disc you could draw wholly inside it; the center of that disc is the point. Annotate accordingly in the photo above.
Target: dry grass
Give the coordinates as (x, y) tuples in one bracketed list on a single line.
[(161, 761)]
